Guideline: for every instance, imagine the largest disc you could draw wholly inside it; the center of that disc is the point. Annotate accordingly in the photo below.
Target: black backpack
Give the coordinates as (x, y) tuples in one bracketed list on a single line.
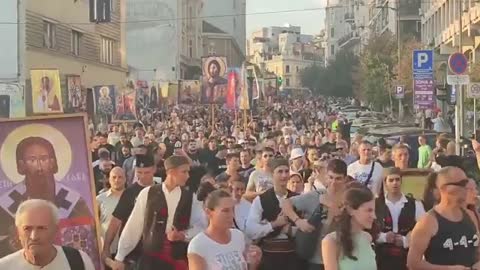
[(74, 258)]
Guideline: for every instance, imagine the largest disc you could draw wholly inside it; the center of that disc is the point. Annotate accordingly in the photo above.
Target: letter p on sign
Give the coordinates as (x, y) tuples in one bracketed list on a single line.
[(422, 59)]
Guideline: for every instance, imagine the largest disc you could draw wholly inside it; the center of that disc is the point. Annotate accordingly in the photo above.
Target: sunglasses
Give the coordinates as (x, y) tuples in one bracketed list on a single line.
[(267, 156), (461, 183)]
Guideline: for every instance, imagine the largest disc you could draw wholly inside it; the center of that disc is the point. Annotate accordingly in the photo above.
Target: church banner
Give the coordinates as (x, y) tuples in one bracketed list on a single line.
[(77, 96), (214, 83), (125, 109), (46, 91), (104, 97), (12, 100), (189, 92), (47, 157)]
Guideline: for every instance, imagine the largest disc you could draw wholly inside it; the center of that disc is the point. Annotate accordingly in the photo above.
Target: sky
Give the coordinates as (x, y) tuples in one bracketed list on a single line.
[(310, 21)]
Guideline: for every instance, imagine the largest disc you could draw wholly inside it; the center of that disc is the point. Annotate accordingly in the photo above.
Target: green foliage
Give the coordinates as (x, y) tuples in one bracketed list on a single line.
[(375, 71), (333, 80)]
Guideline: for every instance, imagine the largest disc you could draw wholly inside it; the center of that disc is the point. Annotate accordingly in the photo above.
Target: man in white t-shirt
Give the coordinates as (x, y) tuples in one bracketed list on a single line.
[(365, 170), (261, 179), (37, 224)]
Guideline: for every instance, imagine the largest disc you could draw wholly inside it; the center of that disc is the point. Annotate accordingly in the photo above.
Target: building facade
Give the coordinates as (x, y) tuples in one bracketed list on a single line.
[(285, 52), (228, 16), (57, 36), (217, 42), (166, 42)]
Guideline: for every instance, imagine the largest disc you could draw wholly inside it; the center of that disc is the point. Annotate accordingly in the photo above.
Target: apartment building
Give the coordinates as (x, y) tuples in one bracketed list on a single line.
[(166, 43)]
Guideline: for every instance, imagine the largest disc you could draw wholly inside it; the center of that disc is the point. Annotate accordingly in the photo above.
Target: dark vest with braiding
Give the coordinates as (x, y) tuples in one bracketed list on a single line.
[(271, 209), (389, 256), (156, 222)]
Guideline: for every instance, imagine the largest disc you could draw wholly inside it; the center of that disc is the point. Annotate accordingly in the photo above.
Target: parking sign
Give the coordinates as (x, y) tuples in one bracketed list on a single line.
[(422, 61)]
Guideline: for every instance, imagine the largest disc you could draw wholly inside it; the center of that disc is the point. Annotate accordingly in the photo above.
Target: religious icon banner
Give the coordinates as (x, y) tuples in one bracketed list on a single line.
[(47, 157), (46, 91), (104, 97), (189, 92), (12, 100), (125, 109), (76, 95), (214, 82)]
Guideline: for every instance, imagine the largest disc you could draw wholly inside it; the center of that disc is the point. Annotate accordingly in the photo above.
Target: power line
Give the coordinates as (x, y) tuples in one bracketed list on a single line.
[(205, 17)]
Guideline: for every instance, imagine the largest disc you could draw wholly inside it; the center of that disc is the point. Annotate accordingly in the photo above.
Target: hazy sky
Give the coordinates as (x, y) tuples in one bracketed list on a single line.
[(310, 21)]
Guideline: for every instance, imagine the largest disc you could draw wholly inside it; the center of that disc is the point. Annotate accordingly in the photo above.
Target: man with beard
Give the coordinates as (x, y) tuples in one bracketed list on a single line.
[(37, 161), (193, 154), (102, 141), (101, 169), (124, 142)]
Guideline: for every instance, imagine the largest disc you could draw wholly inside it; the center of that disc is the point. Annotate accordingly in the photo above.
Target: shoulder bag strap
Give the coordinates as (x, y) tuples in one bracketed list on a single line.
[(74, 258), (367, 182)]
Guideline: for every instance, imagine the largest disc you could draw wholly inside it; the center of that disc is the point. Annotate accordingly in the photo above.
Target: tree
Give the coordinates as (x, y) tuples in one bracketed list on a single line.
[(375, 69), (403, 68), (333, 80)]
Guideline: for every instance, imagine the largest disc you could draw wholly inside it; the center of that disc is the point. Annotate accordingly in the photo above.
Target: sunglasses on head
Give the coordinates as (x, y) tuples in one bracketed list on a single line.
[(461, 183)]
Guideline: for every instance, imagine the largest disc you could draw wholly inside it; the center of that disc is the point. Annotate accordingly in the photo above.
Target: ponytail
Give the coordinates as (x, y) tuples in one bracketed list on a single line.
[(344, 235)]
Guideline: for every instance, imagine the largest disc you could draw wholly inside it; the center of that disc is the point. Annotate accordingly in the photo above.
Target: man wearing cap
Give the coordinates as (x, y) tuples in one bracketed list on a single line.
[(130, 163), (144, 170), (268, 224), (296, 158), (164, 219)]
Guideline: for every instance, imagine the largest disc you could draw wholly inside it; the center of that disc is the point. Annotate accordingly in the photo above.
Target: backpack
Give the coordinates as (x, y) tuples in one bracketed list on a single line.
[(74, 258)]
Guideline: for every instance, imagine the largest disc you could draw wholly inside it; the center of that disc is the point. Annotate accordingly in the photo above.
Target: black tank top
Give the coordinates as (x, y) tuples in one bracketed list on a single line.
[(455, 242)]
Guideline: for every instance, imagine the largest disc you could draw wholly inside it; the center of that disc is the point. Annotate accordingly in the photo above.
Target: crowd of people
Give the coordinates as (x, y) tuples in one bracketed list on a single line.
[(288, 189)]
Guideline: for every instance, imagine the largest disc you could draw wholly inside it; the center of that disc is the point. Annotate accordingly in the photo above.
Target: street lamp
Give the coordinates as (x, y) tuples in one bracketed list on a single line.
[(397, 10)]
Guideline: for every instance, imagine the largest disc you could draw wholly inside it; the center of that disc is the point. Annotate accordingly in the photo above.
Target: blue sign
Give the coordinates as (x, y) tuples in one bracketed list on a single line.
[(422, 61), (458, 63)]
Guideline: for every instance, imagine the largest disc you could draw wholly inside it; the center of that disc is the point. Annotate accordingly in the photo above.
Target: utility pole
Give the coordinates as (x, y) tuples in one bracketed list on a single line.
[(400, 102), (459, 90)]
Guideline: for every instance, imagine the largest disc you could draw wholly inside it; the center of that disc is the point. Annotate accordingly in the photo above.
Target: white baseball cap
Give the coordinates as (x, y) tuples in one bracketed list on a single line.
[(296, 153)]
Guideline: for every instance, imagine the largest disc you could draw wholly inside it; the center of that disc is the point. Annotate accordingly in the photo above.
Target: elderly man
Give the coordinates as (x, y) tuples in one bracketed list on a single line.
[(37, 223)]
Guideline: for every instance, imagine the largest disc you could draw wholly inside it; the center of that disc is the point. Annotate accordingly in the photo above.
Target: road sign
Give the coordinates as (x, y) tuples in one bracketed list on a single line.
[(422, 61), (424, 91), (458, 63), (458, 79), (400, 92), (473, 90)]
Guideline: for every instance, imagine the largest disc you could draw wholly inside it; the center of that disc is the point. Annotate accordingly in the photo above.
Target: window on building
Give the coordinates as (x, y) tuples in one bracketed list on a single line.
[(287, 69), (332, 49), (297, 69), (112, 5), (287, 82), (234, 4), (75, 46), (332, 32), (106, 51), (234, 23), (190, 48), (49, 34)]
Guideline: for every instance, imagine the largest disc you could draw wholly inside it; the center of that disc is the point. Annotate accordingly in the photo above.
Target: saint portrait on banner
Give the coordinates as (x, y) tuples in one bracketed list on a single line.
[(36, 170)]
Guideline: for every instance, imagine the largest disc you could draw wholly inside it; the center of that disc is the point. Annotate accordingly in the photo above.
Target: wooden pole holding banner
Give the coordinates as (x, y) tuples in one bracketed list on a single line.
[(212, 106), (245, 121)]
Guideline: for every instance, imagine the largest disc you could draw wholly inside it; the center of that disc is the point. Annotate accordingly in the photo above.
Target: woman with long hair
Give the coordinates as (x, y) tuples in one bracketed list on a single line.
[(220, 246), (431, 195), (349, 247)]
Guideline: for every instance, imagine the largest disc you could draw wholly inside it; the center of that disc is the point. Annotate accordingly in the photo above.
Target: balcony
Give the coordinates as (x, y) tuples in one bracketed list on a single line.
[(349, 39)]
